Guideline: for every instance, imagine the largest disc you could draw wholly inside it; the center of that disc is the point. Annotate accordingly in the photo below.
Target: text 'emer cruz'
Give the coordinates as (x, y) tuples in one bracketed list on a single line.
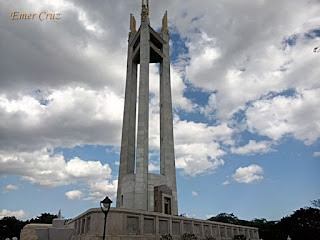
[(15, 15)]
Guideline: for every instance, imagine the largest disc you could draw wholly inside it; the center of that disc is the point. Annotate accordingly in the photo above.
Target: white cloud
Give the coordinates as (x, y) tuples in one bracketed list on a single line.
[(253, 147), (197, 146), (51, 170), (75, 194), (250, 174), (79, 56), (178, 88), (226, 183), (282, 115), (72, 116), (113, 149), (238, 68), (316, 154), (10, 187), (194, 194), (18, 214), (191, 132), (197, 159), (100, 189), (79, 169), (153, 167)]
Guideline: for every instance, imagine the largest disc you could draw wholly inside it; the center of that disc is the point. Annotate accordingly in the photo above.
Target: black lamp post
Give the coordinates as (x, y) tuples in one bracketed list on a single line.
[(105, 207)]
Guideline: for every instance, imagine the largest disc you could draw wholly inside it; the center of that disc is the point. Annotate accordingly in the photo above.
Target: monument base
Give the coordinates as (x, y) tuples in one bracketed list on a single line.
[(127, 224)]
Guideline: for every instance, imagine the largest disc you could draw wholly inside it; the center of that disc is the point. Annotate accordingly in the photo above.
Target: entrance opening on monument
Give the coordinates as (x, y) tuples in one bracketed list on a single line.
[(167, 205), (163, 199)]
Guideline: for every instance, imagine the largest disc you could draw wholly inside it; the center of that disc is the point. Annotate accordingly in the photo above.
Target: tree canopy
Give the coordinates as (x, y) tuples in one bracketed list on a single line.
[(316, 203), (302, 224), (11, 227)]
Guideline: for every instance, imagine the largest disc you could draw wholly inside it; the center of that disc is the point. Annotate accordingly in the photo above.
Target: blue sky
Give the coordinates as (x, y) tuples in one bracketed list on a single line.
[(246, 93)]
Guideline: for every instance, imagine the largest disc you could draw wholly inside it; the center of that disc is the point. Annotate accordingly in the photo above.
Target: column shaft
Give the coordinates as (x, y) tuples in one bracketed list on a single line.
[(141, 187), (127, 157), (167, 157)]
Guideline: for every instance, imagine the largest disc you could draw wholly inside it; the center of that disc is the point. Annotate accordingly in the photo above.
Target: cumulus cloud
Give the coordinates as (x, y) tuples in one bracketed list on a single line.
[(18, 214), (153, 167), (198, 148), (282, 115), (100, 189), (197, 145), (194, 193), (79, 55), (316, 154), (10, 187), (195, 159), (226, 183), (69, 117), (242, 58), (75, 194), (253, 147), (51, 170), (250, 174), (178, 87)]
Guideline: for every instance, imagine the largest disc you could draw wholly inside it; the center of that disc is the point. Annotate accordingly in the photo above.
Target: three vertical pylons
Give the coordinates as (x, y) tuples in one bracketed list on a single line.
[(137, 188)]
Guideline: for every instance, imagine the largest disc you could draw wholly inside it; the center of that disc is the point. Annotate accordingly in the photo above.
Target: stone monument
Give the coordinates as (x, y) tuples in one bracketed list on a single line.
[(137, 188)]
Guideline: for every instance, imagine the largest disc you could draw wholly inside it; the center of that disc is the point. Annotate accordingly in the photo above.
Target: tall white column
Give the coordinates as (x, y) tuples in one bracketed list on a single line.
[(167, 156), (141, 186), (127, 156)]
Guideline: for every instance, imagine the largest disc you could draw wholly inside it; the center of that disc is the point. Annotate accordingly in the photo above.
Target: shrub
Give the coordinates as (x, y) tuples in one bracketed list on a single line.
[(166, 237), (239, 237), (189, 236), (210, 238)]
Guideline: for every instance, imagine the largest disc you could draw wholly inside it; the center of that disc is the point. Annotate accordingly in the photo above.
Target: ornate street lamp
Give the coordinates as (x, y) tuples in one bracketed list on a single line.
[(105, 207)]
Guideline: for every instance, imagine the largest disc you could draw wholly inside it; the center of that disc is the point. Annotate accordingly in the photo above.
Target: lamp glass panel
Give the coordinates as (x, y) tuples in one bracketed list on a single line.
[(106, 205)]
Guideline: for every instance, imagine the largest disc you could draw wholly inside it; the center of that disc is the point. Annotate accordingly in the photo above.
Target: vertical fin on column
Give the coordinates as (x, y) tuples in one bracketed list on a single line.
[(164, 28), (133, 29)]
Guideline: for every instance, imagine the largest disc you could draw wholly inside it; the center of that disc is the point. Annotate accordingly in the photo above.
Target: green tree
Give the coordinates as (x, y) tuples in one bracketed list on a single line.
[(225, 218), (10, 227), (302, 224), (44, 218), (239, 237), (268, 230), (189, 236), (316, 203)]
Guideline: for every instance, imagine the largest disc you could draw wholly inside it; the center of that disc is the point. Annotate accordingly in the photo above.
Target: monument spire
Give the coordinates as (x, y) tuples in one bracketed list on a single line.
[(145, 11), (164, 28)]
